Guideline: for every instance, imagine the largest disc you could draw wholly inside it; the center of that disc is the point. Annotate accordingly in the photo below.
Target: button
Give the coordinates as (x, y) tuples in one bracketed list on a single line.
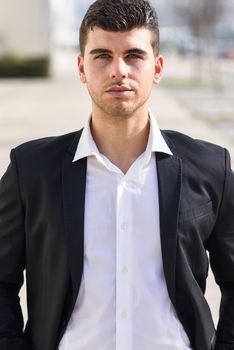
[(124, 270), (124, 226), (124, 315)]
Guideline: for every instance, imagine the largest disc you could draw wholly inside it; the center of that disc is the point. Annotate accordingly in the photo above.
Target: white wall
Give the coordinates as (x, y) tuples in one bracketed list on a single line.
[(25, 26)]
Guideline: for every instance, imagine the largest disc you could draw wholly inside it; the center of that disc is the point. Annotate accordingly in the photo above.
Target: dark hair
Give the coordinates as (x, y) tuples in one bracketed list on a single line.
[(120, 16)]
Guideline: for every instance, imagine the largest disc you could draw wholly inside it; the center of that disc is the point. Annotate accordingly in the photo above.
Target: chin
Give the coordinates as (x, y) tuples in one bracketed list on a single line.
[(121, 110)]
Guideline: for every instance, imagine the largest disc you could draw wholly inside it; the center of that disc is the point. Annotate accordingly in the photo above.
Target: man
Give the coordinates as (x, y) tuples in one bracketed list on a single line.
[(113, 223)]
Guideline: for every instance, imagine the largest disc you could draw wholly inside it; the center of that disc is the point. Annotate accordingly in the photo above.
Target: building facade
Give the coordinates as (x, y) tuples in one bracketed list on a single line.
[(25, 28)]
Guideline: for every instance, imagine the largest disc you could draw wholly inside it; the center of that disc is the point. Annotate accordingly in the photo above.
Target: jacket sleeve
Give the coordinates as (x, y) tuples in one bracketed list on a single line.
[(12, 261), (221, 248)]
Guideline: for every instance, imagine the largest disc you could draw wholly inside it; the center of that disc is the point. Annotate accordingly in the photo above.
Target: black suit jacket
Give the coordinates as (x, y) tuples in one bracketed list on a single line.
[(42, 198)]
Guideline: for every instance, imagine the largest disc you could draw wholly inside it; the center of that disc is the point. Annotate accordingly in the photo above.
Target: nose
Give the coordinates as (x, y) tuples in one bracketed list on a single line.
[(119, 69)]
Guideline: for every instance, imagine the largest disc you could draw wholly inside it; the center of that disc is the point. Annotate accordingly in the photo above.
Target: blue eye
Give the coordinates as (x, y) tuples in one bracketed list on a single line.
[(133, 56), (103, 56)]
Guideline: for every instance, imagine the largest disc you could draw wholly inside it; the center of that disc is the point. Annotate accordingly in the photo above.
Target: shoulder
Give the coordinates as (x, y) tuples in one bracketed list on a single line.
[(200, 159), (43, 156), (47, 147), (186, 147)]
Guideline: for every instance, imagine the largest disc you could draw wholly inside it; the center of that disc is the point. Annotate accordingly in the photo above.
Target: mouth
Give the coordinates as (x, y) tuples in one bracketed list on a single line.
[(119, 90)]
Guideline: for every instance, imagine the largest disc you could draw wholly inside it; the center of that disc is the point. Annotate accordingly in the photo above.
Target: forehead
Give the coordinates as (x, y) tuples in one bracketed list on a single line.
[(136, 38)]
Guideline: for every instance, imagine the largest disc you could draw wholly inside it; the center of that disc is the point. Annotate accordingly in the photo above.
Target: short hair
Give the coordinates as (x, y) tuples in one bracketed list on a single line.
[(120, 16)]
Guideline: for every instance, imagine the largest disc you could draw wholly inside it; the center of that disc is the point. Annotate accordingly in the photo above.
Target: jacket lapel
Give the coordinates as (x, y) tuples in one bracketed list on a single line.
[(73, 183), (169, 185)]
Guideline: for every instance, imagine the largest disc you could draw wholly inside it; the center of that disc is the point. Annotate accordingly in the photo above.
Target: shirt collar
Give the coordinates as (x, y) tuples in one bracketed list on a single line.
[(87, 147), (156, 142)]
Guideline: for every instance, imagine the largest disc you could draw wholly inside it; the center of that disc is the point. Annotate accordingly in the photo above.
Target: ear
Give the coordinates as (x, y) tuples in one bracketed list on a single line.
[(159, 63), (80, 65)]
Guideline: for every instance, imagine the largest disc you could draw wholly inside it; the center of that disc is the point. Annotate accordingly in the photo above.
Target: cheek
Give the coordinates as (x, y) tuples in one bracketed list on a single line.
[(95, 67), (95, 74), (145, 73)]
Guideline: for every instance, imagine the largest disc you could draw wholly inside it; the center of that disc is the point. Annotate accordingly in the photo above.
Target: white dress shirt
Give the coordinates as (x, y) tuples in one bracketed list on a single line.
[(123, 302)]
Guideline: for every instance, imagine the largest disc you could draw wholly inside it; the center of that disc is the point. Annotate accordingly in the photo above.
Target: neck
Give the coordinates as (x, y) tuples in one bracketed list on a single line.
[(121, 140)]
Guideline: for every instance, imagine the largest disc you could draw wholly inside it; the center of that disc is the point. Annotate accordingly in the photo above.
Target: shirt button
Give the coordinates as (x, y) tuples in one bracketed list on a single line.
[(124, 226), (124, 315), (124, 270)]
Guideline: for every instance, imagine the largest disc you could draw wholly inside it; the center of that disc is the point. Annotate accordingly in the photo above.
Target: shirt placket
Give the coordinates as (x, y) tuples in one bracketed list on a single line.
[(123, 269)]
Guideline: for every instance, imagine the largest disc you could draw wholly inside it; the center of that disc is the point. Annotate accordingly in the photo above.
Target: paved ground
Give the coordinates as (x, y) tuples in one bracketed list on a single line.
[(36, 108)]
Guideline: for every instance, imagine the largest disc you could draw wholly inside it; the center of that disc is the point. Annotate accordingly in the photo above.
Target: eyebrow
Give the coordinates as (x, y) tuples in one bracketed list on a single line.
[(99, 51), (131, 51), (137, 51)]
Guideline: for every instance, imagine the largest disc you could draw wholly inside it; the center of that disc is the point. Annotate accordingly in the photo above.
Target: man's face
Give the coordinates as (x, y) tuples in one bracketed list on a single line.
[(119, 70)]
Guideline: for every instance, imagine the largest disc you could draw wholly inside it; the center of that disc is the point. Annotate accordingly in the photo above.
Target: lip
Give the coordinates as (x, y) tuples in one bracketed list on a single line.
[(119, 90)]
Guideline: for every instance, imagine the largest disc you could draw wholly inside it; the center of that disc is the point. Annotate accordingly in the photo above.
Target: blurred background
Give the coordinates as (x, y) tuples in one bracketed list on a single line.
[(40, 92), (39, 39)]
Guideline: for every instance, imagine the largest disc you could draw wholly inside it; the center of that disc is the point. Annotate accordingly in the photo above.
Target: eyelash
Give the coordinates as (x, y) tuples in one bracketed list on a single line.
[(130, 56), (103, 56), (133, 55)]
